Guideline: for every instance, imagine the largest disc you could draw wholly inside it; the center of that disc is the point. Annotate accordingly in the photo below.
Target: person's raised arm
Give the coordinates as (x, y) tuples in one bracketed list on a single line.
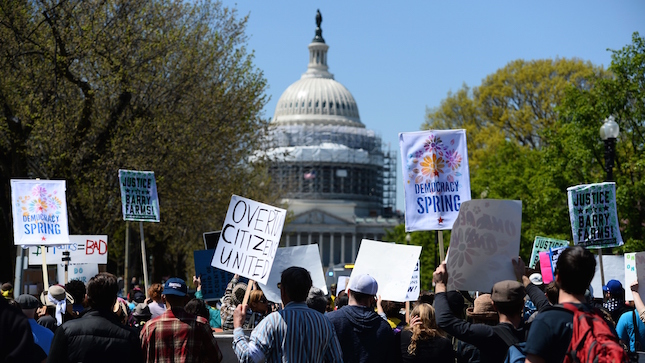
[(536, 295), (638, 301)]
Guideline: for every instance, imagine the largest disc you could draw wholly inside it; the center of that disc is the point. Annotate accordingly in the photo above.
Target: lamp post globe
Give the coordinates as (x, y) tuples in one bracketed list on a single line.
[(608, 133)]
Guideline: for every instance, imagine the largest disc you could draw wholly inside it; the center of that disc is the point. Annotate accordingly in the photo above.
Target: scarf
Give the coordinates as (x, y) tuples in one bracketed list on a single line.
[(61, 307)]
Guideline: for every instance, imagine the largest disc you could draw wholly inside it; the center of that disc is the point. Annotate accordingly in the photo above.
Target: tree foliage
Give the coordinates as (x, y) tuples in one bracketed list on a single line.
[(90, 87)]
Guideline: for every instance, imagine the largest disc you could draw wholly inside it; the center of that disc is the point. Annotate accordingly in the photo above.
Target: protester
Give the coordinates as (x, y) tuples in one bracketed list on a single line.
[(425, 297), (155, 304), (77, 289), (364, 336), (7, 290), (630, 328), (464, 352), (176, 336), (233, 296), (483, 311), (615, 299), (215, 318), (341, 300), (140, 317), (42, 336), (97, 336), (58, 303), (294, 334), (317, 300), (16, 340), (552, 291), (493, 342), (550, 333), (391, 312), (135, 297), (259, 305), (197, 307), (422, 341), (122, 311), (638, 300)]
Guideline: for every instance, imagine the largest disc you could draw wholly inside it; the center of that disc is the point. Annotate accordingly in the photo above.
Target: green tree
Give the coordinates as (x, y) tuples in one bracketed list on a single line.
[(90, 87)]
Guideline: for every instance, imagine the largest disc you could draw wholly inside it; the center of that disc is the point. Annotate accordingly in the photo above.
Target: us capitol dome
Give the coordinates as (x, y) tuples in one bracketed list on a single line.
[(335, 176)]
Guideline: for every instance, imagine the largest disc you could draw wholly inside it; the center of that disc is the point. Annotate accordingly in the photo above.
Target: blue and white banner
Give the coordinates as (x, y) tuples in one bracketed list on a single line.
[(436, 178)]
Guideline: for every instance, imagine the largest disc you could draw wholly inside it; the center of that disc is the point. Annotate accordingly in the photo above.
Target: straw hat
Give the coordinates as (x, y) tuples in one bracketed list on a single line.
[(57, 292), (483, 308)]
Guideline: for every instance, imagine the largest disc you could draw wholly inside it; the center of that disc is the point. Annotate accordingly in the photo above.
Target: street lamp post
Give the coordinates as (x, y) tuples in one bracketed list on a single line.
[(608, 133)]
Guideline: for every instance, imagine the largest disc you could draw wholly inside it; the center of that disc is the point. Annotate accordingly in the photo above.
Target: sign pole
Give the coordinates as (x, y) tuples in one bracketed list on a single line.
[(248, 292), (407, 312), (44, 265), (440, 238), (602, 270), (126, 268), (144, 259), (66, 260)]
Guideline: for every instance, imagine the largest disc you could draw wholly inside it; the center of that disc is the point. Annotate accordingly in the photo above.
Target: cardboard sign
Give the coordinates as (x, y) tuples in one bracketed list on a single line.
[(545, 267), (630, 274), (213, 280), (484, 240), (306, 256), (614, 270), (82, 249), (81, 271), (390, 264), (436, 178), (249, 239), (541, 244), (640, 273), (592, 210), (342, 284), (415, 284), (39, 210), (139, 200)]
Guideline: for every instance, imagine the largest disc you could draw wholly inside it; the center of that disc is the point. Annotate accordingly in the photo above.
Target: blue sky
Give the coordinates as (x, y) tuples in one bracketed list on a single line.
[(400, 58)]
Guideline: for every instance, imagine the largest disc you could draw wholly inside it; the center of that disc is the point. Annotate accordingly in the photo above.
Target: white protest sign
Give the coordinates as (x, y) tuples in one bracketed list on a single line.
[(554, 254), (592, 210), (390, 264), (614, 270), (139, 200), (436, 178), (630, 274), (342, 284), (39, 210), (415, 284), (541, 244), (484, 240), (82, 249), (249, 239), (81, 271), (640, 273), (307, 257)]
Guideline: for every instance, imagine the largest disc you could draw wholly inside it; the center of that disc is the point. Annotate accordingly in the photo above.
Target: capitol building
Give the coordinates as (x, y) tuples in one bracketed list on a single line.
[(336, 178)]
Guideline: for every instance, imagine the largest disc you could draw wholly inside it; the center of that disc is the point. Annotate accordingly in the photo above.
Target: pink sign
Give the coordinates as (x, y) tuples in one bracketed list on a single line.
[(545, 267)]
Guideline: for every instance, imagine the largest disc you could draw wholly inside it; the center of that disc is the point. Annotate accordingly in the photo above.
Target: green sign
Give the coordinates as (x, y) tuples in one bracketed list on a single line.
[(541, 244), (139, 196), (594, 221)]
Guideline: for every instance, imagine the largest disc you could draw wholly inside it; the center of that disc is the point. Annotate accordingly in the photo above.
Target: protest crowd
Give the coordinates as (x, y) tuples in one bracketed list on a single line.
[(522, 318)]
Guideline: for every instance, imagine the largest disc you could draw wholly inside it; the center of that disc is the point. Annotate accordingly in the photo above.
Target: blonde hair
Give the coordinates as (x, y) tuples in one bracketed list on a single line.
[(154, 291), (255, 296), (427, 329)]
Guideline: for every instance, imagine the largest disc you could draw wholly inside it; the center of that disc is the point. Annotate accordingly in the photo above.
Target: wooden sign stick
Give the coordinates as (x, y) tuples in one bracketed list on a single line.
[(248, 292)]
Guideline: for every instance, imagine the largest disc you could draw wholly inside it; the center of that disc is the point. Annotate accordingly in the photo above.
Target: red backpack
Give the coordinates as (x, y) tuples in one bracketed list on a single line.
[(592, 339)]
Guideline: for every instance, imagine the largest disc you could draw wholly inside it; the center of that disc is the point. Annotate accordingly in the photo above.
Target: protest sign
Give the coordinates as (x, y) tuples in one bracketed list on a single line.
[(614, 267), (213, 280), (249, 239), (392, 265), (554, 254), (630, 274), (484, 240), (415, 284), (342, 284), (543, 244), (81, 248), (39, 210), (436, 177), (592, 210), (545, 267), (640, 273), (307, 257), (139, 199), (77, 271)]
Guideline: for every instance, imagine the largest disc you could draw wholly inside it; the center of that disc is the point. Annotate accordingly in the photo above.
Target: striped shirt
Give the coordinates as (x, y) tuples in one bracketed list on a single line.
[(295, 334)]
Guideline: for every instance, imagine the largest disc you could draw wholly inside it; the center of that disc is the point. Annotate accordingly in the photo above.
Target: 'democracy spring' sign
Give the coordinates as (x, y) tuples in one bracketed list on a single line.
[(436, 179), (39, 212), (484, 240), (592, 209), (249, 239), (139, 196)]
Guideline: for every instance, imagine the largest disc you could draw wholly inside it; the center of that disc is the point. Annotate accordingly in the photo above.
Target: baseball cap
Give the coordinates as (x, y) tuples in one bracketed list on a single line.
[(536, 279), (508, 291), (175, 286), (364, 284), (27, 301), (614, 287)]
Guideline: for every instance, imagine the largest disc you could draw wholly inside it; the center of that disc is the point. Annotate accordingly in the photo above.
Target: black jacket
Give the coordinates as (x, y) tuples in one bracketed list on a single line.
[(97, 336)]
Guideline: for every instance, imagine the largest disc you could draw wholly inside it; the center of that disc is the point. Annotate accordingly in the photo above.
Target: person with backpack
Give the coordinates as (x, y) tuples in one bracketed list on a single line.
[(492, 341), (572, 330)]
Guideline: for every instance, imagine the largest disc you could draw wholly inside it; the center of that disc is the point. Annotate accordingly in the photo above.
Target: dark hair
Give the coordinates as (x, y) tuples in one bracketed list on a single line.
[(296, 282), (575, 269), (362, 299), (391, 308), (102, 290), (197, 307), (341, 300), (456, 303), (510, 308), (552, 292), (425, 297), (77, 289)]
